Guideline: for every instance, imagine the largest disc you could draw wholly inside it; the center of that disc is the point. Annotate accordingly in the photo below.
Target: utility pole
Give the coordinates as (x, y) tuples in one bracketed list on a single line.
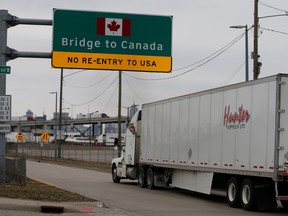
[(256, 68)]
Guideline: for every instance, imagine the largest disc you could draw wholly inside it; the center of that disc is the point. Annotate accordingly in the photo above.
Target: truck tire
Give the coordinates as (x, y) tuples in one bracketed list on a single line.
[(284, 204), (115, 178), (233, 193), (247, 195), (150, 178), (141, 177)]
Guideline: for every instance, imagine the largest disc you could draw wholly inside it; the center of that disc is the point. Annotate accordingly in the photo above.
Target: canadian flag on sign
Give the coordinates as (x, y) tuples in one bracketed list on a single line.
[(113, 27)]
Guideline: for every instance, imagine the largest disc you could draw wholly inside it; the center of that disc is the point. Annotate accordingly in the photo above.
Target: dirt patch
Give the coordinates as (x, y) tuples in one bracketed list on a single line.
[(74, 163), (35, 190)]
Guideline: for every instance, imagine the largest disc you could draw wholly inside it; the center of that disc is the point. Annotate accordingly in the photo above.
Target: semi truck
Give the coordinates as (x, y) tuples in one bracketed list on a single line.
[(233, 138)]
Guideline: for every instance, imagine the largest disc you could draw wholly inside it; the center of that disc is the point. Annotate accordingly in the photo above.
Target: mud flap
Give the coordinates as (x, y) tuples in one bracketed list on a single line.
[(265, 198)]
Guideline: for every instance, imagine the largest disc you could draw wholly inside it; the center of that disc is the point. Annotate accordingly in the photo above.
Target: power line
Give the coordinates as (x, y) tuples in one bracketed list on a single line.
[(95, 97), (205, 61), (269, 6), (233, 75), (280, 32), (74, 73), (74, 86), (133, 89), (112, 95), (224, 47)]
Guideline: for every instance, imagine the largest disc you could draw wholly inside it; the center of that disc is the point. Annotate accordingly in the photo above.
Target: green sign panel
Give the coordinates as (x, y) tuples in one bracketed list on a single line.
[(114, 41), (5, 69)]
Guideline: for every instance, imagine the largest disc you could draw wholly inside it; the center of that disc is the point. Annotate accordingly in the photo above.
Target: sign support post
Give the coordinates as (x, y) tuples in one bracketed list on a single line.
[(3, 44), (60, 112), (119, 114), (6, 54)]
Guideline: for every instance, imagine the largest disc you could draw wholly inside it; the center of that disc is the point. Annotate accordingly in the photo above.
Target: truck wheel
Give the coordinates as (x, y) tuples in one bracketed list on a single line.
[(150, 178), (141, 177), (233, 193), (247, 195), (284, 204), (115, 178)]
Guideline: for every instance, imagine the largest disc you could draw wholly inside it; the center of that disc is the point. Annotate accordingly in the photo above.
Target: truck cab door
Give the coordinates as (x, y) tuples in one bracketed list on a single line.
[(132, 146)]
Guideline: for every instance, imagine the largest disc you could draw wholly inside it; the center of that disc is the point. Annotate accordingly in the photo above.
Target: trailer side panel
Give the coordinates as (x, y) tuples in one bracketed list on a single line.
[(222, 130)]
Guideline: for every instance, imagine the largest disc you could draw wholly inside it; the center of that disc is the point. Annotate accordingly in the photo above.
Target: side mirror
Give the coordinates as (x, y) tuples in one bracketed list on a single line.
[(115, 142), (132, 128)]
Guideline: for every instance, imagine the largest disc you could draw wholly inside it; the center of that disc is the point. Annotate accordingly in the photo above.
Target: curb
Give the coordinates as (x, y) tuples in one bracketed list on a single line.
[(49, 207), (43, 182)]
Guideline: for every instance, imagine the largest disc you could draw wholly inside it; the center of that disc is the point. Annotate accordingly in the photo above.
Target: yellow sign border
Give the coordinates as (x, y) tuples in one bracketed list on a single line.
[(96, 61), (47, 136), (20, 136)]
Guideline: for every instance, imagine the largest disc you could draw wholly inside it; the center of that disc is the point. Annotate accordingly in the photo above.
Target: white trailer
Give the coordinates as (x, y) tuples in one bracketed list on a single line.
[(233, 137)]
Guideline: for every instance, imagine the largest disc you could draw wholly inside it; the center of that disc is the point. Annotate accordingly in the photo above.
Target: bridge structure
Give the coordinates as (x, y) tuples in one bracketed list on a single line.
[(39, 126)]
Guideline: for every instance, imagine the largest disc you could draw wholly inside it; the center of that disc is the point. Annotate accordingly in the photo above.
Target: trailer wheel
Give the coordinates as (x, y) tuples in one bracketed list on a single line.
[(233, 193), (141, 177), (115, 178), (284, 204), (150, 178), (247, 195)]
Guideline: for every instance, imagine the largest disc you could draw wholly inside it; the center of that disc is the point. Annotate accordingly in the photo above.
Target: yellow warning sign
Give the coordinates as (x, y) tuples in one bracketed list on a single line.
[(45, 136), (20, 137)]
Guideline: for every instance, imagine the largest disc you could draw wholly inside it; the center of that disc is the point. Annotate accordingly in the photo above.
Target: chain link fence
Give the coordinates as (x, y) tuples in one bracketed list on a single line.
[(100, 154)]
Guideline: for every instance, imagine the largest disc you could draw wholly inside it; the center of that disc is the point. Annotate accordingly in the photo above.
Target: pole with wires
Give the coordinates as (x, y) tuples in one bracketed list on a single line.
[(256, 69)]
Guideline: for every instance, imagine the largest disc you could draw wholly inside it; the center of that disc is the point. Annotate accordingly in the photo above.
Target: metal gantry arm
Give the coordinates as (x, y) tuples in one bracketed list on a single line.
[(13, 54), (6, 54), (12, 21)]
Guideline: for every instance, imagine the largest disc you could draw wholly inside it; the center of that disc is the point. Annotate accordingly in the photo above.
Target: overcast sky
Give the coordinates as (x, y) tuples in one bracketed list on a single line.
[(200, 28)]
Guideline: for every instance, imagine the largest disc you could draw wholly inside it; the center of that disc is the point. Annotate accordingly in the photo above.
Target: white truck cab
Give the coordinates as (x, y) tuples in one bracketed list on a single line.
[(126, 165)]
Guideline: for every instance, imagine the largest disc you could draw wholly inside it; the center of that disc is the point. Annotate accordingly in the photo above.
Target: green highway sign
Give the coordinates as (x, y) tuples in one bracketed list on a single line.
[(5, 69), (112, 41)]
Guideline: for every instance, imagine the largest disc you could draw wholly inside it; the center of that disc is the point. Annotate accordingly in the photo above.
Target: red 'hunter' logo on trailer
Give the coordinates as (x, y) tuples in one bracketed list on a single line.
[(236, 120), (113, 26)]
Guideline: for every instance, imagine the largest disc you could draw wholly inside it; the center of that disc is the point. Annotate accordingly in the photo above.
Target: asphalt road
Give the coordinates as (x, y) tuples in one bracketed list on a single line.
[(127, 199)]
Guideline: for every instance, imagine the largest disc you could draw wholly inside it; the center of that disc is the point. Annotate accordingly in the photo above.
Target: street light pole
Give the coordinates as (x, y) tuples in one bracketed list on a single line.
[(55, 127), (246, 50), (246, 54)]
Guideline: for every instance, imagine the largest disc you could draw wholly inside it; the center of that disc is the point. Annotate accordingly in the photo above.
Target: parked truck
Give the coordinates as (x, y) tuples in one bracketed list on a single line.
[(233, 138)]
